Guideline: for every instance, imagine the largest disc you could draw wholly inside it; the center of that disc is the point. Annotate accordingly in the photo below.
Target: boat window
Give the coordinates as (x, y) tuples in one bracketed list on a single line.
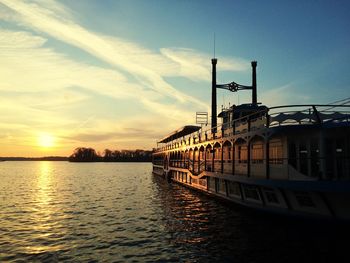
[(292, 155), (340, 158), (208, 155), (251, 192), (303, 158), (203, 182), (217, 154), (190, 156), (221, 186), (304, 199), (225, 119), (227, 152), (212, 184), (257, 154), (242, 154), (234, 189), (329, 158), (271, 196), (315, 159), (201, 155), (196, 154), (276, 152)]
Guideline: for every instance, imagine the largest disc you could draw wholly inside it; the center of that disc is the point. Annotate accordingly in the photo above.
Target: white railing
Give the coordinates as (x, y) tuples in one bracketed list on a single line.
[(270, 117)]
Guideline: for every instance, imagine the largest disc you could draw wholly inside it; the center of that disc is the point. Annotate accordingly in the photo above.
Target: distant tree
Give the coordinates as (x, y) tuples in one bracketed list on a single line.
[(82, 154), (116, 155), (108, 155)]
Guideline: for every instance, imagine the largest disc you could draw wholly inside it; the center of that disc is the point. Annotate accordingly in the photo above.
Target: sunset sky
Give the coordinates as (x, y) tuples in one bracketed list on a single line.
[(122, 74)]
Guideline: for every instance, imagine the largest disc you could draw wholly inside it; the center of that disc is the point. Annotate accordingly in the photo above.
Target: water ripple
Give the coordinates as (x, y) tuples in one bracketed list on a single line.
[(116, 212)]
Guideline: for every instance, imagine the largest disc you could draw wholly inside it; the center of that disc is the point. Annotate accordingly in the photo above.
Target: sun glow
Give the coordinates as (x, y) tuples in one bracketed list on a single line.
[(46, 140)]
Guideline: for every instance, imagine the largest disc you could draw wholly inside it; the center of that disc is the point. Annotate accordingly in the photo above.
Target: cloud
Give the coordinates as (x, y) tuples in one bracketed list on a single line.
[(194, 65), (281, 96), (115, 136), (122, 54), (146, 66), (28, 66), (38, 86), (42, 88)]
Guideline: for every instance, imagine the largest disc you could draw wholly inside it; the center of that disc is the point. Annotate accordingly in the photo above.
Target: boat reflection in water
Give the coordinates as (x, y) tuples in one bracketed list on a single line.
[(201, 228)]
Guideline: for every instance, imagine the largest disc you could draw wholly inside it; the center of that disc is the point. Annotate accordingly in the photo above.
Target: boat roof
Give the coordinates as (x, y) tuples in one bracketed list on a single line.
[(183, 131), (242, 108)]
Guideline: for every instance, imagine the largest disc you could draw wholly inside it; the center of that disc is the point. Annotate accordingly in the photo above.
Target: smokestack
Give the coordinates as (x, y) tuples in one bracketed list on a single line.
[(254, 96), (213, 95)]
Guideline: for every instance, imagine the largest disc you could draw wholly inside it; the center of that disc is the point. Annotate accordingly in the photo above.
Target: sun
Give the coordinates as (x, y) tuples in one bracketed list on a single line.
[(46, 140)]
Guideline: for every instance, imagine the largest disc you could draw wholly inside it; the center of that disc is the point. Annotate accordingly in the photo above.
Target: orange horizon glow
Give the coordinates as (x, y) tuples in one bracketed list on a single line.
[(45, 145)]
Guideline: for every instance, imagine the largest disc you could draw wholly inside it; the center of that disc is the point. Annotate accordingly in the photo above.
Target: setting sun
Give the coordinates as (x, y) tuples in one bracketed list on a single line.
[(46, 140)]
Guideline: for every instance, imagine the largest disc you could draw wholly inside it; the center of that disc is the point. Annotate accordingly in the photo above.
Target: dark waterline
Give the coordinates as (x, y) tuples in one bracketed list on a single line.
[(118, 212)]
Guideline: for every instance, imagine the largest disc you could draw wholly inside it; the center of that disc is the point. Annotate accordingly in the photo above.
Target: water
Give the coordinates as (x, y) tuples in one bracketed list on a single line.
[(120, 212)]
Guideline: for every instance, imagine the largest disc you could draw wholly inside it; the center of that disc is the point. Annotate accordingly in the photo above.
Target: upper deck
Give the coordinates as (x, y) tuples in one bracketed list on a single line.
[(274, 119)]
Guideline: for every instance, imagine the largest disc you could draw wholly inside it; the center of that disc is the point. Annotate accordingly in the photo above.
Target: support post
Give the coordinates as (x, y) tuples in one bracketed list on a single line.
[(222, 159), (267, 158), (213, 160), (321, 156), (193, 160), (233, 158), (199, 161), (248, 159)]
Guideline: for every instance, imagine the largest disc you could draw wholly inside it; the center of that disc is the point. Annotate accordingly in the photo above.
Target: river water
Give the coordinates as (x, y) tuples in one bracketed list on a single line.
[(120, 212)]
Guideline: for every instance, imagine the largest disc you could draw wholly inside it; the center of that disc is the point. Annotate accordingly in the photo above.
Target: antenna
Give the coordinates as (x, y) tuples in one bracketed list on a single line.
[(214, 44)]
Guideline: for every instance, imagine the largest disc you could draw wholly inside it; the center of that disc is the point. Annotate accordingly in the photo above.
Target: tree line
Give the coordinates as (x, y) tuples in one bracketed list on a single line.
[(83, 154), (45, 158)]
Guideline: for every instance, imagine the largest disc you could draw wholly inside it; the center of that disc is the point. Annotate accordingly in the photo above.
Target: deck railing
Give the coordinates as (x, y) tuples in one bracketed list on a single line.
[(306, 114), (284, 168)]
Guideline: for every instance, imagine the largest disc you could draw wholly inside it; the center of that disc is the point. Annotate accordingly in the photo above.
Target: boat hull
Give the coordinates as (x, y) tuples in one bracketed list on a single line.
[(312, 199)]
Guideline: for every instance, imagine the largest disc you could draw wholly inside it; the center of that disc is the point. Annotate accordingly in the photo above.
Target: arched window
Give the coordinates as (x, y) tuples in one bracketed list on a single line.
[(276, 152)]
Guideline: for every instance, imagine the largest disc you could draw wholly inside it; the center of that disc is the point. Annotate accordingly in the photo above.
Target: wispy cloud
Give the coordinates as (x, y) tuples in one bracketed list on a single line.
[(145, 65), (36, 81), (41, 80), (281, 95), (122, 54), (194, 65)]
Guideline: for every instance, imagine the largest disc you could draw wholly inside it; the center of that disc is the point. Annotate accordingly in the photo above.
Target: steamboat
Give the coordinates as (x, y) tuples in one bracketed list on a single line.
[(291, 159)]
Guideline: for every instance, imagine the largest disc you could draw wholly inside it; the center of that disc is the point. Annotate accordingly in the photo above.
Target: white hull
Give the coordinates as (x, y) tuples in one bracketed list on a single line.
[(299, 198)]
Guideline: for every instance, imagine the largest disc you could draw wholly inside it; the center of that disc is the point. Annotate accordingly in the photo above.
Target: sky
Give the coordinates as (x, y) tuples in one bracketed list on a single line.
[(123, 74)]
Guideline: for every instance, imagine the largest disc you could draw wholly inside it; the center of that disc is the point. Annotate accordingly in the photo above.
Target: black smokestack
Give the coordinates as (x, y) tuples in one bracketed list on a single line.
[(213, 96), (254, 96)]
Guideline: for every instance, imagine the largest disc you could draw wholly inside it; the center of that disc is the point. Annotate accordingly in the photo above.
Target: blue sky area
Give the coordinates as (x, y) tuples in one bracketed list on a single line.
[(121, 74)]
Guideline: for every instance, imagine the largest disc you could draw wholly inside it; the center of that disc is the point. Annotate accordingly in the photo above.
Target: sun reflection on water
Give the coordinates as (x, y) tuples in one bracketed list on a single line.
[(45, 220), (44, 186)]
